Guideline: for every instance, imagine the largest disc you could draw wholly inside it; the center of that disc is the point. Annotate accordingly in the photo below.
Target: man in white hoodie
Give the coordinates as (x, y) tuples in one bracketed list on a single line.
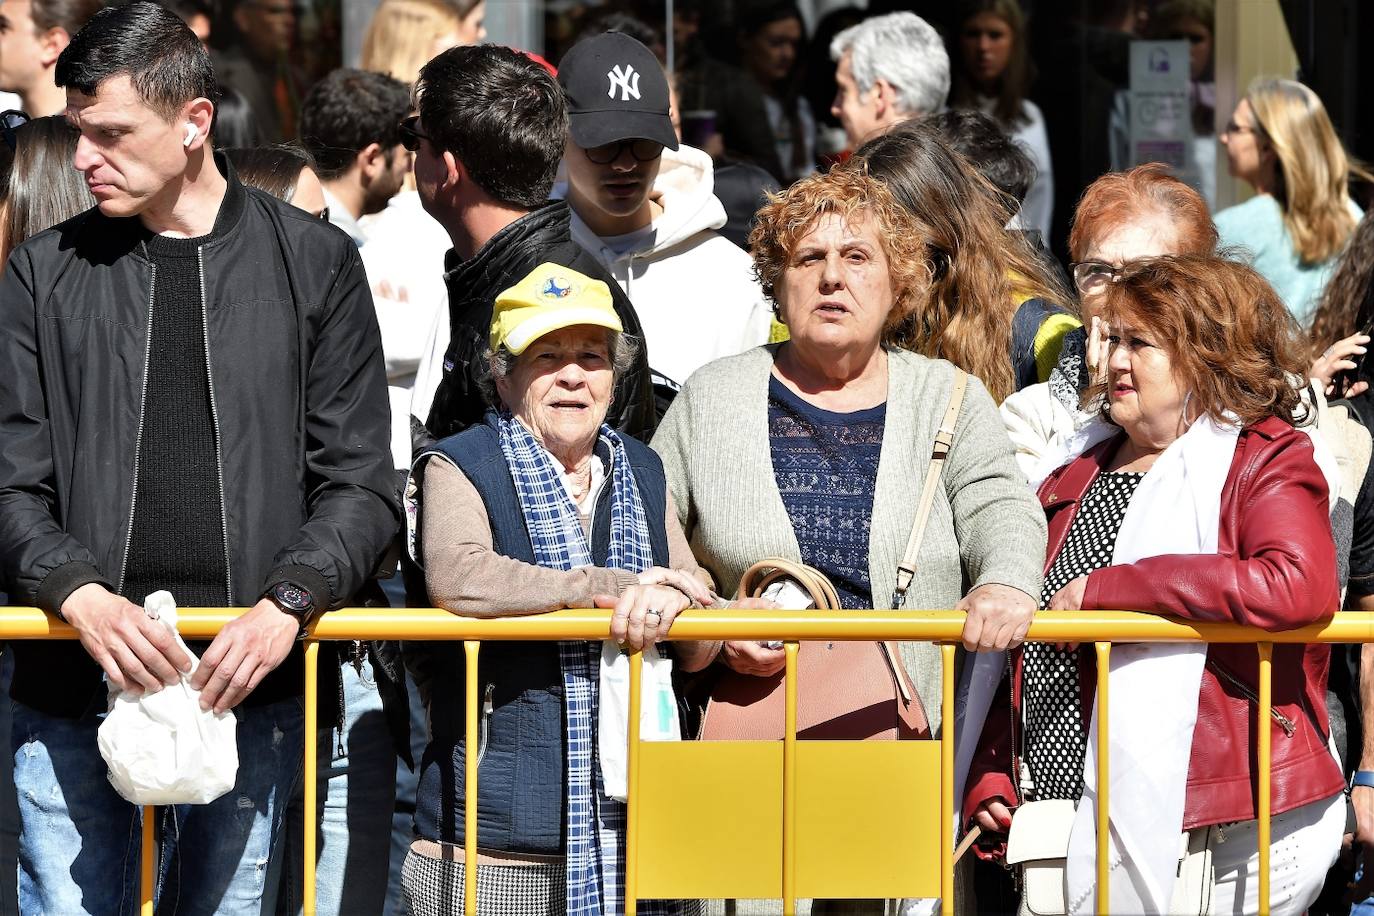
[(643, 206)]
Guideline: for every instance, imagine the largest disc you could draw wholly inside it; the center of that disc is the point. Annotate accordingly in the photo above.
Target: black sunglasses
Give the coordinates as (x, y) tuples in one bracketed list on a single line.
[(642, 150), (10, 121), (411, 135)]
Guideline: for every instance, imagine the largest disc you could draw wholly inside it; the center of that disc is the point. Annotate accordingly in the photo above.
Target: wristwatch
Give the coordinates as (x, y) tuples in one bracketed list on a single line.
[(293, 600), (1362, 779)]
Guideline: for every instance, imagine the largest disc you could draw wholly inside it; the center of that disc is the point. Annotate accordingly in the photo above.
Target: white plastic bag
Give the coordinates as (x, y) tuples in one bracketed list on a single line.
[(162, 748), (658, 718)]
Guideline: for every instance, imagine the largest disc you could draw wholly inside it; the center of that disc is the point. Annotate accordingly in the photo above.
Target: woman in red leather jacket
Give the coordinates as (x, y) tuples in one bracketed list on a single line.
[(1192, 495)]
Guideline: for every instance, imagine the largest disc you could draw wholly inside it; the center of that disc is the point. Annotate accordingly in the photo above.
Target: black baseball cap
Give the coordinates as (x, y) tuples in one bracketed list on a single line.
[(616, 90)]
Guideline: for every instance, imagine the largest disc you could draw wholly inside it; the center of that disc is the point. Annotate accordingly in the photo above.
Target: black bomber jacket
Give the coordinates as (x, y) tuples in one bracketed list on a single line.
[(300, 408)]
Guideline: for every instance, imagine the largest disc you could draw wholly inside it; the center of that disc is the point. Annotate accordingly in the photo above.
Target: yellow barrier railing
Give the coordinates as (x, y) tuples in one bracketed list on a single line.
[(1101, 628)]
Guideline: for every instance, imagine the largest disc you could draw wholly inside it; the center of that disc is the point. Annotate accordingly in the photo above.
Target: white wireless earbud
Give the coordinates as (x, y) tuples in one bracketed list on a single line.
[(190, 134)]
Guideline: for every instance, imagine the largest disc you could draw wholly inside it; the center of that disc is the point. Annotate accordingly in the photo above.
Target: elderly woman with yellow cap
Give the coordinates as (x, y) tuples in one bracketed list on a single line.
[(540, 507)]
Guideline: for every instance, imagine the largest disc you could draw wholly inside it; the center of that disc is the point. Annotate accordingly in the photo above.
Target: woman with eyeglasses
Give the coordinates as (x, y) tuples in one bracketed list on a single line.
[(1122, 218), (1281, 142), (1194, 492)]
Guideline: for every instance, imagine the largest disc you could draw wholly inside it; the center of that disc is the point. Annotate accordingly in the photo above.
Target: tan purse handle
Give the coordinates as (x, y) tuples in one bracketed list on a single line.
[(906, 569), (764, 573), (821, 591)]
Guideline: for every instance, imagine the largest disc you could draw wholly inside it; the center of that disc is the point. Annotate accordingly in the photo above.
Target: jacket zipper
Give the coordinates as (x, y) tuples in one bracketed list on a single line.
[(1285, 723), (484, 733), (214, 421), (138, 438)]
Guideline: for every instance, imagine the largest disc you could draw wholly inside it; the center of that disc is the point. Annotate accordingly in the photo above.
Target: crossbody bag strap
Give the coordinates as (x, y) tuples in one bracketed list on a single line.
[(906, 569)]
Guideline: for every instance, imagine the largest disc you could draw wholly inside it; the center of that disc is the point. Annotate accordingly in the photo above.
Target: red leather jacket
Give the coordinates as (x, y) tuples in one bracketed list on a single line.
[(1275, 568)]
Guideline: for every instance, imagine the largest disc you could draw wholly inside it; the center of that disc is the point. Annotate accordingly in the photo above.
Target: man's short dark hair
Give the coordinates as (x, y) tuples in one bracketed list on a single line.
[(988, 148), (151, 45), (346, 112), (501, 114), (68, 15)]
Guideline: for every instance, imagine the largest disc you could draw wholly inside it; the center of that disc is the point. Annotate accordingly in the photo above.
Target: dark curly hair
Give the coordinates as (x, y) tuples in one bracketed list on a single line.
[(1347, 305)]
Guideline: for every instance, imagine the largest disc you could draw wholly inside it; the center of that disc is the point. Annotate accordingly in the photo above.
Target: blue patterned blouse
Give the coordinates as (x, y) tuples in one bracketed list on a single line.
[(826, 466)]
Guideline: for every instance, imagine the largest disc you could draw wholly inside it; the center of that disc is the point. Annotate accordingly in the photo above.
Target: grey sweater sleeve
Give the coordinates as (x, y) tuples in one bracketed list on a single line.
[(998, 522)]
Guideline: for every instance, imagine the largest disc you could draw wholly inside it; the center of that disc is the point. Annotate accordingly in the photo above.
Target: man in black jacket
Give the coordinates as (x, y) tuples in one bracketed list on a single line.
[(194, 400), (487, 141)]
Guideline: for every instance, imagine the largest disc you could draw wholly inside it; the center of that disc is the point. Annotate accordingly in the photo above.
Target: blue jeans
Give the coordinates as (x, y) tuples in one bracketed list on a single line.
[(355, 792), (9, 812), (79, 840)]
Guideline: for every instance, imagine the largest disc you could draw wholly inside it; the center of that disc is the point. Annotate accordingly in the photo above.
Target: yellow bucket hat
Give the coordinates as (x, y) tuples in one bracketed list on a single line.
[(551, 297)]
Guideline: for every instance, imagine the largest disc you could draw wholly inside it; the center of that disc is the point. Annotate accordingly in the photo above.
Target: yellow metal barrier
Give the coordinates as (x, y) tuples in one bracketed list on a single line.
[(800, 853)]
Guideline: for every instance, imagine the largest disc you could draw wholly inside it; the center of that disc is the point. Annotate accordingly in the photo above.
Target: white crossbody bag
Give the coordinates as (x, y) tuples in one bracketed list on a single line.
[(1039, 843)]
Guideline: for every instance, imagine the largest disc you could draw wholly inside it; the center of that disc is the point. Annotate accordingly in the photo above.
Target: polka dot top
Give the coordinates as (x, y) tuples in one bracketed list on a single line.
[(1055, 736)]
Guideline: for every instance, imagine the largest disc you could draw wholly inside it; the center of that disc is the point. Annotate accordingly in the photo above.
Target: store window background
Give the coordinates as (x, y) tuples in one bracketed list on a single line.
[(272, 50)]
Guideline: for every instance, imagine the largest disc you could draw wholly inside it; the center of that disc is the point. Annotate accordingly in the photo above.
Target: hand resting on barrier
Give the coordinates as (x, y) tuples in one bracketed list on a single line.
[(245, 651), (137, 654), (998, 617)]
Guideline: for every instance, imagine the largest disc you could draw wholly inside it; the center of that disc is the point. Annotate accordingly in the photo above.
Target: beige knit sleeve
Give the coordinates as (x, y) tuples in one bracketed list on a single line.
[(465, 575)]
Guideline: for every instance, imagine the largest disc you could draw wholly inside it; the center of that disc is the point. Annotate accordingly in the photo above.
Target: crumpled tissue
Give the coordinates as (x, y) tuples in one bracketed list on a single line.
[(162, 748)]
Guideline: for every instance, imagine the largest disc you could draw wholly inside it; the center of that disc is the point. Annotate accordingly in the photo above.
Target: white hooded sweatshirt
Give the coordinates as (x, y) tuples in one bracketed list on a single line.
[(693, 290)]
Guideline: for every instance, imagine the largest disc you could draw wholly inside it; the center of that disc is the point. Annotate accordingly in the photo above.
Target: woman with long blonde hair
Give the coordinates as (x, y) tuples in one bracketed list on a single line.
[(404, 255), (993, 309), (405, 34), (1280, 141)]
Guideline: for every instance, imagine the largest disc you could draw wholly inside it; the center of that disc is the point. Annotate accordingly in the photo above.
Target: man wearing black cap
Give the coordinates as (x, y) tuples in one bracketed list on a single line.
[(643, 206), (487, 141)]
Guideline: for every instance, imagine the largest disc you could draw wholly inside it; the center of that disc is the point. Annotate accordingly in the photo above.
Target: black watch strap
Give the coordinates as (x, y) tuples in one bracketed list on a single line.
[(294, 600)]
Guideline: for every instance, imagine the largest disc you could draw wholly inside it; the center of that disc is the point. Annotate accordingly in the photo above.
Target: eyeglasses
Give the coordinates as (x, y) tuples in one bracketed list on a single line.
[(1233, 128), (641, 150), (411, 135), (1092, 276), (10, 121)]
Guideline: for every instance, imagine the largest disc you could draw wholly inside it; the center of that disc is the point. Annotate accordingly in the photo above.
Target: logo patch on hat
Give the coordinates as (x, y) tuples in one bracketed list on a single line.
[(553, 290), (627, 78)]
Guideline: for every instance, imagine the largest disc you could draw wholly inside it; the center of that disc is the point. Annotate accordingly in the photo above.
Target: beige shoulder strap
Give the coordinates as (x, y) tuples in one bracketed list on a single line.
[(906, 569)]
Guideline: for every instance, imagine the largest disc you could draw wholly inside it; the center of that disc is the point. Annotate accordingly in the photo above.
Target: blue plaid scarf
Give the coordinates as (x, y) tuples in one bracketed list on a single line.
[(596, 822)]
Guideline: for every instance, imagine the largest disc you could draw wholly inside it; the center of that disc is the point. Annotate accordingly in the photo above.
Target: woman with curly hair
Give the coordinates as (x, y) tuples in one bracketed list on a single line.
[(1192, 495), (814, 449), (990, 307)]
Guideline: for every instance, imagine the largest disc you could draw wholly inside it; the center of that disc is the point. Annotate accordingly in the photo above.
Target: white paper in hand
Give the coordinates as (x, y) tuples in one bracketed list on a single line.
[(658, 718), (162, 748)]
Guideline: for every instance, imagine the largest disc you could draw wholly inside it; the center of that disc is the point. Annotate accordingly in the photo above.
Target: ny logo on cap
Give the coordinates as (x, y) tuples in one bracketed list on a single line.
[(627, 78)]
